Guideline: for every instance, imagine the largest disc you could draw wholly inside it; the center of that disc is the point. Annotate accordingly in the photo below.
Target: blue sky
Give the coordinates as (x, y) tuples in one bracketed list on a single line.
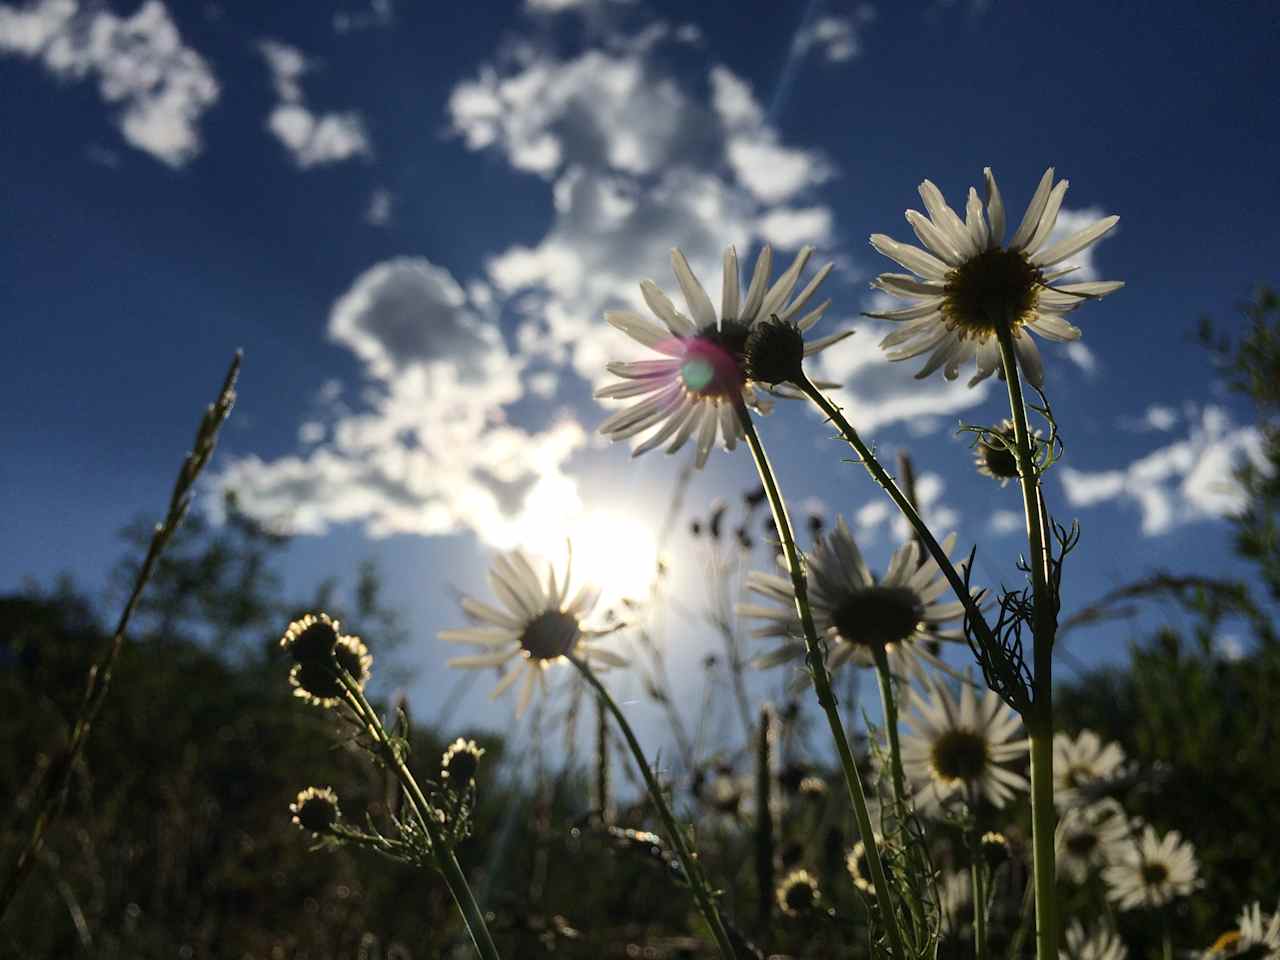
[(412, 223)]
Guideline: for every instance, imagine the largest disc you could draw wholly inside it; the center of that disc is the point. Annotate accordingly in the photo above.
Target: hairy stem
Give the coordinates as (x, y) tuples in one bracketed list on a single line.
[(447, 863), (822, 682), (692, 871), (1040, 723)]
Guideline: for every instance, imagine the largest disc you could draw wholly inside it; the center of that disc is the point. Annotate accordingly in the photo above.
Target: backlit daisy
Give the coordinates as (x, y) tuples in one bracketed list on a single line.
[(460, 762), (315, 681), (996, 459), (539, 624), (1102, 944), (689, 393), (854, 611), (966, 281), (1259, 934), (1083, 767), (315, 809), (1089, 838), (858, 867), (957, 749), (1152, 871)]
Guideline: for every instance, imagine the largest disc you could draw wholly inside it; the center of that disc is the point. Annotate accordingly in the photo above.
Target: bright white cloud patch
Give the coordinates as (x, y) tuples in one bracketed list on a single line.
[(312, 139), (139, 62), (431, 451), (1190, 479), (835, 38)]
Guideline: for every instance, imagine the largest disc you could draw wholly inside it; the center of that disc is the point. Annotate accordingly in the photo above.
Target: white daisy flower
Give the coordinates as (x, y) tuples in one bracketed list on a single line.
[(1090, 837), (966, 281), (539, 624), (957, 749), (855, 612), (1152, 871), (1102, 944), (1259, 934), (689, 393), (1083, 766)]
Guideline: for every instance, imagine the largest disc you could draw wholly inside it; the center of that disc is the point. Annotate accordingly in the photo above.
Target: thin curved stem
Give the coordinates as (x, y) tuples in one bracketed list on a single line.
[(701, 893), (979, 909), (822, 682), (448, 864), (904, 504), (1040, 722)]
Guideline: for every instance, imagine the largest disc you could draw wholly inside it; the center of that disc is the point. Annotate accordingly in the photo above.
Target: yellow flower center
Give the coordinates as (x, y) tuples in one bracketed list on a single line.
[(996, 286)]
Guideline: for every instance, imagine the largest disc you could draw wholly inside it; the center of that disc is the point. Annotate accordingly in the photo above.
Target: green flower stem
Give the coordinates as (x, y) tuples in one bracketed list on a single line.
[(904, 504), (979, 908), (822, 682), (448, 864), (701, 893), (890, 707), (1040, 722)]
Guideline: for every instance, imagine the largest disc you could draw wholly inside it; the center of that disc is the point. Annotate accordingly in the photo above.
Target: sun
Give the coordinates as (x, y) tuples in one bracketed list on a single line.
[(614, 547)]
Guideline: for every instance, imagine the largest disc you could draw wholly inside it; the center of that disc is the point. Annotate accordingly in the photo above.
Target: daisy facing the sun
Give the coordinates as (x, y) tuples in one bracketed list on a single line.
[(538, 625), (693, 391)]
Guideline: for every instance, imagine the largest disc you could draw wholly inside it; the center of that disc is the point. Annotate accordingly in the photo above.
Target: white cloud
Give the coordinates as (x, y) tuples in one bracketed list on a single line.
[(1083, 357), (835, 38), (430, 452), (139, 62), (379, 13), (791, 228), (311, 139), (1006, 521), (1188, 480), (877, 515), (378, 213)]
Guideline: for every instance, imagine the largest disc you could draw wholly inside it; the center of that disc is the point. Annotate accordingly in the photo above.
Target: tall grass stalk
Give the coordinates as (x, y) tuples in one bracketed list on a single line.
[(52, 794)]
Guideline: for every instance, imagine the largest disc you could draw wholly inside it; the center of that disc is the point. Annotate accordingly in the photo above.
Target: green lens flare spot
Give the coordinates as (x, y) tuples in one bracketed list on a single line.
[(697, 374)]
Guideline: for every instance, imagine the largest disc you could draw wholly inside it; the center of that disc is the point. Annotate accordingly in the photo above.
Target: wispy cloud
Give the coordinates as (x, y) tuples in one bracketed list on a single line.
[(163, 87), (834, 38), (1187, 480), (312, 139)]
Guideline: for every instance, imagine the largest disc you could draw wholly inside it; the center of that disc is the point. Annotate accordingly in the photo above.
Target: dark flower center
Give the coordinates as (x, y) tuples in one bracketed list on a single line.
[(877, 616), (714, 359), (1154, 874), (1082, 844), (799, 897), (998, 460), (462, 766), (959, 755), (993, 287), (317, 814), (774, 352), (316, 642), (549, 635)]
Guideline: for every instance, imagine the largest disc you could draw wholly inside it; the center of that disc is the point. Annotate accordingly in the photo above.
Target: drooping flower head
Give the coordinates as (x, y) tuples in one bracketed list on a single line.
[(1083, 767), (460, 762), (859, 868), (967, 281), (692, 391), (315, 809), (1152, 871), (538, 624), (311, 638), (957, 749), (993, 454), (854, 611), (316, 680)]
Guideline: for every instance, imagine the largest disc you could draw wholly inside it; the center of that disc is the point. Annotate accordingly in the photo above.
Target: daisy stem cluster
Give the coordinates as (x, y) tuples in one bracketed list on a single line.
[(816, 657), (903, 503), (53, 791), (692, 871), (1040, 719), (446, 862)]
